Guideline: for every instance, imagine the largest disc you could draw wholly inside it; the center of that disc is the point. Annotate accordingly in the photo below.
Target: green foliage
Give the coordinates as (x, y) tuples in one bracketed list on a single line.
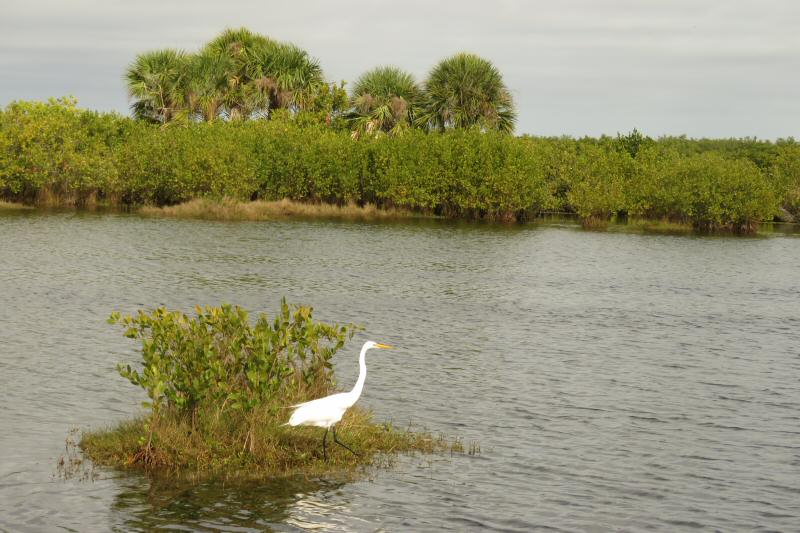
[(786, 173), (328, 105), (220, 360), (460, 173), (210, 445), (241, 97), (242, 75), (466, 90), (285, 74), (166, 166), (219, 385), (156, 82), (633, 142), (600, 177), (239, 75), (309, 163), (206, 83), (558, 158), (728, 193), (54, 153), (707, 189), (238, 43), (385, 99)]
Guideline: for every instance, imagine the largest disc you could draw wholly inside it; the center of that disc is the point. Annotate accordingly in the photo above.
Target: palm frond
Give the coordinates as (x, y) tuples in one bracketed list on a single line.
[(155, 83), (466, 90), (388, 97)]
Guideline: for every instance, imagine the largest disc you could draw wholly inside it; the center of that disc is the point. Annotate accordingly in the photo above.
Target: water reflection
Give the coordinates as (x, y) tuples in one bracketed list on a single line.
[(145, 504)]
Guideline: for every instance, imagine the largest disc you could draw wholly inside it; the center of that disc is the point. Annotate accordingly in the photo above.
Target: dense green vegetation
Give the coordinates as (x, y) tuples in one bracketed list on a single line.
[(54, 153), (219, 387), (241, 75), (385, 99), (238, 75), (466, 91), (250, 118)]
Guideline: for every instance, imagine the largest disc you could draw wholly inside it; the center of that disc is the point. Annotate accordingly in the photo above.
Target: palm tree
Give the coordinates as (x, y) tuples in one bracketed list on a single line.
[(385, 99), (154, 82), (464, 91), (239, 73), (236, 42), (206, 83), (241, 98), (286, 76)]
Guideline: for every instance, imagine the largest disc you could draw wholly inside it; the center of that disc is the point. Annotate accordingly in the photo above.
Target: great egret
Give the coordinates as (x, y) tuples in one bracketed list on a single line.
[(327, 411)]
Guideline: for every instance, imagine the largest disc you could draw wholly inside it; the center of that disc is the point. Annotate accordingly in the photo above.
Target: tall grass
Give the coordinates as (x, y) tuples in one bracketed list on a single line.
[(230, 209), (221, 445), (16, 206)]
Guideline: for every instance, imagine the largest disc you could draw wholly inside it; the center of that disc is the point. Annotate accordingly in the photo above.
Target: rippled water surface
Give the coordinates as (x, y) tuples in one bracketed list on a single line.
[(613, 381)]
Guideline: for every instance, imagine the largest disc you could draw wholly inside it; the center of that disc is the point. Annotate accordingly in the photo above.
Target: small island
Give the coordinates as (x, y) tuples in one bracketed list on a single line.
[(220, 389)]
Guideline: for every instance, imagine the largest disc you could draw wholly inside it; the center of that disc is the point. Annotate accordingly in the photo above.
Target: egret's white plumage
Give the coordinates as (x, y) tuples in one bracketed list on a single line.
[(327, 411)]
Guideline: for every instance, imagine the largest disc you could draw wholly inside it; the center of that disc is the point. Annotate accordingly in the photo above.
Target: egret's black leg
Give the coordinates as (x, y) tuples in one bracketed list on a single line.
[(343, 444), (324, 451)]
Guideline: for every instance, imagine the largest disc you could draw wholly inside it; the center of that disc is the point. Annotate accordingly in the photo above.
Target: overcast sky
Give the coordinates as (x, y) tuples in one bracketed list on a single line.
[(714, 68)]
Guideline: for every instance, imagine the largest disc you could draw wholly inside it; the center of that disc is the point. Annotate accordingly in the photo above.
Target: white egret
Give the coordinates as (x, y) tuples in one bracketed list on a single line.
[(327, 411)]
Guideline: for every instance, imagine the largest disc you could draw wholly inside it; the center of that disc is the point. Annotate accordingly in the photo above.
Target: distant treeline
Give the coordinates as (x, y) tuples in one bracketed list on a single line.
[(55, 153), (243, 75)]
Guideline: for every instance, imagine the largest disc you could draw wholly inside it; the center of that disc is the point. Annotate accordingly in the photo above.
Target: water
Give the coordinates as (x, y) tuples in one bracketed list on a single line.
[(613, 381)]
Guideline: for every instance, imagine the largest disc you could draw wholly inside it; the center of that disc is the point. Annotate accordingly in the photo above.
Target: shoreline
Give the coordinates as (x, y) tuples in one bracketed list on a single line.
[(230, 210)]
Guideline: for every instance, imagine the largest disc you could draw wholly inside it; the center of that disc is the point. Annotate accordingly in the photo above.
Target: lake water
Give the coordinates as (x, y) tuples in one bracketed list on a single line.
[(613, 381)]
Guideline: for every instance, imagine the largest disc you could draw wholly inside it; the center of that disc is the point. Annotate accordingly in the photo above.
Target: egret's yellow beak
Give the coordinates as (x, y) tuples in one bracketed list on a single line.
[(384, 346)]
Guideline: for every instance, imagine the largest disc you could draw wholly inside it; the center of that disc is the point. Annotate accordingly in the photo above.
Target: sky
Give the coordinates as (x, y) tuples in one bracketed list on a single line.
[(703, 68)]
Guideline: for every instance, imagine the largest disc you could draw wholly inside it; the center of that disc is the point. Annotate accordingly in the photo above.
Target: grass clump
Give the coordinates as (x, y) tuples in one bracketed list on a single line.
[(226, 444), (219, 387), (645, 225), (232, 209), (13, 206)]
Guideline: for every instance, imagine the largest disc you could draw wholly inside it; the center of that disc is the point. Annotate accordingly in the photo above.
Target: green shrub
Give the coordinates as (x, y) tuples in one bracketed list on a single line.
[(558, 156), (178, 163), (730, 194), (786, 174), (310, 163), (54, 152), (656, 191), (762, 153), (219, 359), (219, 385), (597, 190), (461, 173), (706, 189), (633, 142)]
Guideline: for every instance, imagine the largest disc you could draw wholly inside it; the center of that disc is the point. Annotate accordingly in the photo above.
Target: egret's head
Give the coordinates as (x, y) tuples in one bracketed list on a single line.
[(372, 344)]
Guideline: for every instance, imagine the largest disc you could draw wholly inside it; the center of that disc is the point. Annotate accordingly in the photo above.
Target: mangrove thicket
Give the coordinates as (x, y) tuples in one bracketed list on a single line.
[(53, 153)]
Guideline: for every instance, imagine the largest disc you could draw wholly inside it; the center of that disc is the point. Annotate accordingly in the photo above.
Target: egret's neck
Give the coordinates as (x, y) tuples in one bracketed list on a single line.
[(362, 374)]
